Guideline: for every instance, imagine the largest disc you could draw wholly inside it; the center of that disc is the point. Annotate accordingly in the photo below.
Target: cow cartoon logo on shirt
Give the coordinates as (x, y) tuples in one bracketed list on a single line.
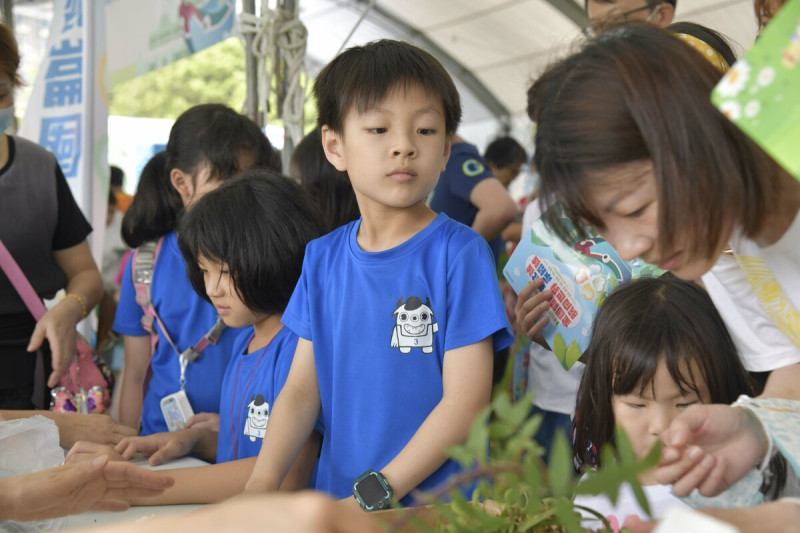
[(257, 416), (414, 325)]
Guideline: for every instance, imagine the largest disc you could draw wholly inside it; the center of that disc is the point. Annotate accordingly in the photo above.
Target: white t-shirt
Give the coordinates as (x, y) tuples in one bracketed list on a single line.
[(659, 497), (775, 270), (554, 388)]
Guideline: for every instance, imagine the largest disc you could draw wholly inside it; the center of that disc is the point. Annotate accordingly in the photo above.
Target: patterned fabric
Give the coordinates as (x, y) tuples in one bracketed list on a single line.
[(771, 296), (743, 493), (781, 421), (711, 55)]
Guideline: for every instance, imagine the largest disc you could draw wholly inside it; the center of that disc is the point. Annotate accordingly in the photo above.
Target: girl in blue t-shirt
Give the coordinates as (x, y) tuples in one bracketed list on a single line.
[(244, 244), (208, 145)]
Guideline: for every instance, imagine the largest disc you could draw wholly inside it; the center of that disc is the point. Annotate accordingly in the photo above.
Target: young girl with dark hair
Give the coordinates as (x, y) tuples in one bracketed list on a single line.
[(330, 189), (208, 145), (247, 271), (156, 202), (658, 346)]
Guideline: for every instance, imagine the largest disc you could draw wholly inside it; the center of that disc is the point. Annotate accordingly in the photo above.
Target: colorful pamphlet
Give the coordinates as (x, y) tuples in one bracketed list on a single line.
[(580, 274), (761, 93)]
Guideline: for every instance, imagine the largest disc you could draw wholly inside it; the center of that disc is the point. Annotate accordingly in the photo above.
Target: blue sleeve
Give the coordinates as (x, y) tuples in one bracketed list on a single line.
[(128, 318), (466, 169), (297, 317), (474, 303)]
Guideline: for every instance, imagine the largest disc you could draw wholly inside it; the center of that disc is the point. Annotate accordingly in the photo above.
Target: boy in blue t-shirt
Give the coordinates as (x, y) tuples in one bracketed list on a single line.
[(399, 312)]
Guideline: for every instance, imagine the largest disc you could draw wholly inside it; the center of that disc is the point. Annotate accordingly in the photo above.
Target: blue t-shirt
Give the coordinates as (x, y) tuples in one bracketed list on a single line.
[(187, 317), (465, 169), (380, 324), (249, 388)]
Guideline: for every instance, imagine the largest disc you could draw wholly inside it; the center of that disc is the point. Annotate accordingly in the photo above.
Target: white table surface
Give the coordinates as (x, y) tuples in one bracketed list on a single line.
[(139, 513)]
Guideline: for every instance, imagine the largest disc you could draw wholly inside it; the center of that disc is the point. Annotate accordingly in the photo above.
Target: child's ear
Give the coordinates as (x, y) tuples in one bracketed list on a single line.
[(182, 183), (332, 144), (448, 145)]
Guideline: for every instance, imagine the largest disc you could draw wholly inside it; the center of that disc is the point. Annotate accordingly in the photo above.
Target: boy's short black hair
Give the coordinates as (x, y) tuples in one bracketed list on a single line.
[(505, 151), (259, 225), (362, 76)]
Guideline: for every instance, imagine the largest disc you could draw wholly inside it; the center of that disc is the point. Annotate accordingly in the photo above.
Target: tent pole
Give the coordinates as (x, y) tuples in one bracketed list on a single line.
[(288, 142), (251, 70), (8, 13)]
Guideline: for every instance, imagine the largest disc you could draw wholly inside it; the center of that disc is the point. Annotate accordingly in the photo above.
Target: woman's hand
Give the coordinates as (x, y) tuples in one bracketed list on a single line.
[(58, 327), (101, 429), (73, 489), (531, 311), (709, 448), (58, 324)]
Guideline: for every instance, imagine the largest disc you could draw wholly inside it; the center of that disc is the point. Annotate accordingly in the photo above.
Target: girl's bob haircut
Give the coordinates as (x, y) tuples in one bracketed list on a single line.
[(258, 225), (642, 324)]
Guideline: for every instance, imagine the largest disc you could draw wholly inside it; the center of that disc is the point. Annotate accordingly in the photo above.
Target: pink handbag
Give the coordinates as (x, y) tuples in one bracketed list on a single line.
[(87, 385)]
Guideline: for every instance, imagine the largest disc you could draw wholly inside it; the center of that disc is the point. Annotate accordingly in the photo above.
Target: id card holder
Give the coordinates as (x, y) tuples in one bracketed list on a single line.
[(176, 409)]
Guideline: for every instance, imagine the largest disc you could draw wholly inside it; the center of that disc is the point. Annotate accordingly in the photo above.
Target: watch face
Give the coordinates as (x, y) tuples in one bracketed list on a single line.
[(371, 490)]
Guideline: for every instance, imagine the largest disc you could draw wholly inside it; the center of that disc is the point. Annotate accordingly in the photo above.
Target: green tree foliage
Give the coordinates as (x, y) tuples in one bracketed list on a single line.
[(215, 74)]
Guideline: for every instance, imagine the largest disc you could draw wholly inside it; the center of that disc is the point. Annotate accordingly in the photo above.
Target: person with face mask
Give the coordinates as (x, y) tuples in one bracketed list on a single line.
[(45, 232)]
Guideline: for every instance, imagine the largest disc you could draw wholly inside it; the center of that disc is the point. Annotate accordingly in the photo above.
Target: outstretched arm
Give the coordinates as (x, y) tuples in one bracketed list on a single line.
[(137, 361), (164, 446), (278, 513), (496, 208), (291, 422), (783, 382), (72, 427), (73, 489), (58, 324), (467, 384)]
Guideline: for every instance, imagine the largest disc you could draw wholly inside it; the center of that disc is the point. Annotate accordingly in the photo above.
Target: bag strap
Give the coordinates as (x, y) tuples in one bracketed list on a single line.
[(21, 283), (143, 266), (32, 301)]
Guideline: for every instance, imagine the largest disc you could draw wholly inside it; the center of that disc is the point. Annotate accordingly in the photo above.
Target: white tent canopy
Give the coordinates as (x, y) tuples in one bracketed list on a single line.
[(493, 48)]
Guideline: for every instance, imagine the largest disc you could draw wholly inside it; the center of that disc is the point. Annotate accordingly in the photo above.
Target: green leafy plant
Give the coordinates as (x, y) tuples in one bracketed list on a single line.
[(514, 490)]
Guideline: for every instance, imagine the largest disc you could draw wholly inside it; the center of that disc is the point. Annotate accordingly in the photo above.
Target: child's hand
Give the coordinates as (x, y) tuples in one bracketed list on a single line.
[(204, 420), (160, 446), (530, 311), (87, 451)]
